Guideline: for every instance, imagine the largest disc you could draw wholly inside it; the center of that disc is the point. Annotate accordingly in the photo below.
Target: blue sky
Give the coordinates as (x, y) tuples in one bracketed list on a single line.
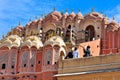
[(13, 11)]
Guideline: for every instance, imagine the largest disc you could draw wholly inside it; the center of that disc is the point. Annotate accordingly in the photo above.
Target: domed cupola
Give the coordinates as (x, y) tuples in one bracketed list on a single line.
[(65, 15), (94, 15), (113, 25), (79, 16), (32, 41), (53, 16), (11, 41), (71, 16), (55, 40)]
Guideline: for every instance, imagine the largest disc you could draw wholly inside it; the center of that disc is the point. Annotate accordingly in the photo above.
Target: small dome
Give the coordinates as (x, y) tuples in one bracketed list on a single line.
[(79, 16), (10, 41), (20, 28), (35, 21), (28, 24), (32, 41), (71, 16), (54, 16), (65, 15), (114, 23), (113, 26), (40, 20), (95, 15), (55, 40)]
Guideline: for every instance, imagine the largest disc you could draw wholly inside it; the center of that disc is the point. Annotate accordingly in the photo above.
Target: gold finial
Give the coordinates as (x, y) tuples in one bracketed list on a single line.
[(92, 9), (72, 10), (36, 17), (54, 9), (3, 36), (11, 27), (30, 19), (101, 12), (19, 23), (113, 18), (62, 12), (44, 15), (105, 15), (66, 10), (78, 10)]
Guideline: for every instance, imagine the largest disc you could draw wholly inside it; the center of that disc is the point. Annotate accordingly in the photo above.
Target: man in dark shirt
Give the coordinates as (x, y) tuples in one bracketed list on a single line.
[(69, 55)]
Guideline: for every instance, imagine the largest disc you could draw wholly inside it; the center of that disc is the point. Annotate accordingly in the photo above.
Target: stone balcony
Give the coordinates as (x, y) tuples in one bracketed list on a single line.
[(90, 64)]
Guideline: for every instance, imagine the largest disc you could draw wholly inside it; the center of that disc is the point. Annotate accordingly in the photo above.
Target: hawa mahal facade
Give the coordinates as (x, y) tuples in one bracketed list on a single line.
[(36, 51)]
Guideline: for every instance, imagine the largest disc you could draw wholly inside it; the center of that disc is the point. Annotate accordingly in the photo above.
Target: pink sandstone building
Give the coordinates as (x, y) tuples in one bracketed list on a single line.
[(33, 51)]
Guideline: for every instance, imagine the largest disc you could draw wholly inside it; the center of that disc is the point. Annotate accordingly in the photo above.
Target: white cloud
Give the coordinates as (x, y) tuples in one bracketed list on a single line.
[(114, 12), (12, 11)]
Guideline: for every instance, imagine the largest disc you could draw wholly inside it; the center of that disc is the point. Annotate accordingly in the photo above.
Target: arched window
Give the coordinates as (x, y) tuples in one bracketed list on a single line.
[(89, 33), (3, 66), (69, 27), (41, 30), (58, 32), (32, 58), (4, 58), (68, 32), (56, 55), (50, 33), (48, 57), (13, 59), (24, 59)]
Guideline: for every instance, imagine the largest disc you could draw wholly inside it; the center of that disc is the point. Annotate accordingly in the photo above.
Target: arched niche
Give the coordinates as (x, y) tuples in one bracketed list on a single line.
[(58, 32), (32, 58), (25, 47), (33, 48), (62, 55), (48, 55), (4, 48), (56, 53), (49, 26), (14, 47), (13, 59), (89, 33), (50, 33), (68, 33)]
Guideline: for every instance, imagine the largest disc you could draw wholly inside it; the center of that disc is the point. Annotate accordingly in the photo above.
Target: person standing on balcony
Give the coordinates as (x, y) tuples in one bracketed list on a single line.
[(70, 54), (75, 53), (87, 51)]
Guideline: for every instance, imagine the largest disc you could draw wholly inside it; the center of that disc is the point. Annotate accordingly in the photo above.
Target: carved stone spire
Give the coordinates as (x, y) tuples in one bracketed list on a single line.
[(113, 18), (62, 12), (72, 10), (36, 17), (54, 9), (30, 19), (19, 23), (78, 10), (66, 10), (92, 10)]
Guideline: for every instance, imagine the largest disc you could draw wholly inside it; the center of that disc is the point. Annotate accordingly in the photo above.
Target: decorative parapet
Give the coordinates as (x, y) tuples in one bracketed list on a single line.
[(98, 63)]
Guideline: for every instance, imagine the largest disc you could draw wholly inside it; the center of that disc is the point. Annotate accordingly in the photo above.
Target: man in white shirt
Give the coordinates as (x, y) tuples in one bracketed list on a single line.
[(75, 53)]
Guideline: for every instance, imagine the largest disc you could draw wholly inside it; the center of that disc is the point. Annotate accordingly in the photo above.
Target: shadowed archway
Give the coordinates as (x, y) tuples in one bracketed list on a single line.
[(89, 33)]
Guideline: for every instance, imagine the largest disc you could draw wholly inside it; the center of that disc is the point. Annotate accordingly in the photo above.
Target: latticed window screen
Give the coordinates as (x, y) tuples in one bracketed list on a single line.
[(13, 58), (32, 58), (56, 55), (48, 56), (3, 58), (25, 58)]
